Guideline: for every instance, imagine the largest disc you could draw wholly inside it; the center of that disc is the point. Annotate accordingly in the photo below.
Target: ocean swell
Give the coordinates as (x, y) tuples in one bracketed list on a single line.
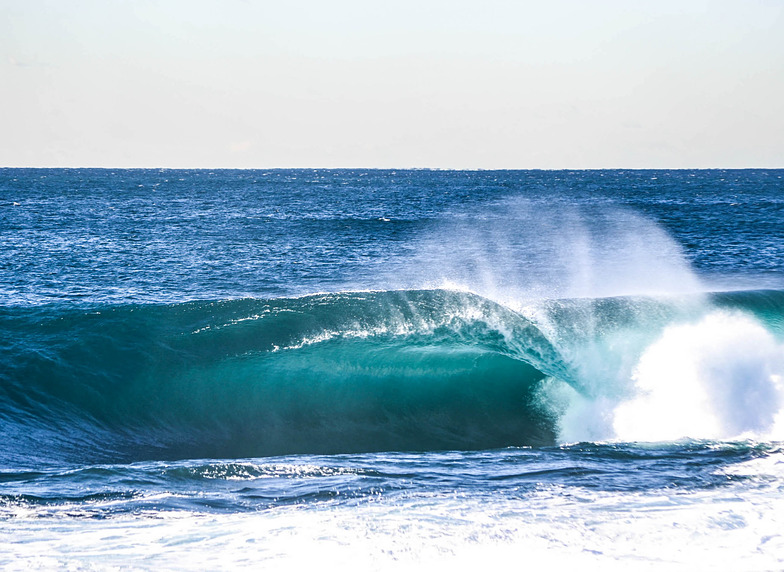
[(375, 371)]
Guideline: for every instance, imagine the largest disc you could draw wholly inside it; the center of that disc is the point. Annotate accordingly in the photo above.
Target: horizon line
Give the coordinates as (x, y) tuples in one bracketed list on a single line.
[(163, 168)]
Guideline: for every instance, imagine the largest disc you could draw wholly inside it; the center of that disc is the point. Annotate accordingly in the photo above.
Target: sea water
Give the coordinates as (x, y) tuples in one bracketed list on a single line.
[(381, 369)]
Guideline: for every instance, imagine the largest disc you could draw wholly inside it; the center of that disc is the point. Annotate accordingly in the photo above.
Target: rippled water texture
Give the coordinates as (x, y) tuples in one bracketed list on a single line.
[(298, 368)]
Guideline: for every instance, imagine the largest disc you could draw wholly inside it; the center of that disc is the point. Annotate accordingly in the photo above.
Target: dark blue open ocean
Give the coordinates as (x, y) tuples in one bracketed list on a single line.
[(391, 369)]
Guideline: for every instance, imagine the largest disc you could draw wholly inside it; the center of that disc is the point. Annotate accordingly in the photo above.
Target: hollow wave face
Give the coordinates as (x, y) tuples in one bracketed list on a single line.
[(336, 373)]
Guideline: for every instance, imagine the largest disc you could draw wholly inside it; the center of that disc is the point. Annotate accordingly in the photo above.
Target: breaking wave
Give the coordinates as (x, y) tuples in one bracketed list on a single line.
[(372, 371)]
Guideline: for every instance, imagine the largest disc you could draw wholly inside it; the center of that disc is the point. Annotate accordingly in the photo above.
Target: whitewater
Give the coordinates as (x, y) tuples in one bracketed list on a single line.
[(332, 368)]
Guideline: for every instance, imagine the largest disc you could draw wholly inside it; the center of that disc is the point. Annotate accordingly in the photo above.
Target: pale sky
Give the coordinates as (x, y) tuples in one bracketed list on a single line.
[(423, 83)]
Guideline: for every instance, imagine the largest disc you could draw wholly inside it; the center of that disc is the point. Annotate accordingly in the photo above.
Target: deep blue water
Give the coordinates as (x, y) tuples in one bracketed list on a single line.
[(442, 363), (150, 235)]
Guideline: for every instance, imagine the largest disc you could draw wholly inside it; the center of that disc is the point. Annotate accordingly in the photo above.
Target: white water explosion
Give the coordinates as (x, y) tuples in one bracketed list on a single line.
[(719, 378)]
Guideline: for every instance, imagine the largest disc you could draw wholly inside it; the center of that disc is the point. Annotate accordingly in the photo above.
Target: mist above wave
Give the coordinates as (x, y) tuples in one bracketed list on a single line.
[(517, 250)]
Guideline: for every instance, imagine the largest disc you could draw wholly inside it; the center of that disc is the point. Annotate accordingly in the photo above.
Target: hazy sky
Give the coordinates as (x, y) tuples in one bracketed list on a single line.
[(443, 84)]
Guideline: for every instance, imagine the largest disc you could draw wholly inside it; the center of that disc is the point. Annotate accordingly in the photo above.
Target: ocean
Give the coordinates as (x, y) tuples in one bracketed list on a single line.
[(391, 369)]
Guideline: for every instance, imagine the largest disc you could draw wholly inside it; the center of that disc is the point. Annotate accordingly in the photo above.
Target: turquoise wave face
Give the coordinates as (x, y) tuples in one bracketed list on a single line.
[(351, 372), (332, 373)]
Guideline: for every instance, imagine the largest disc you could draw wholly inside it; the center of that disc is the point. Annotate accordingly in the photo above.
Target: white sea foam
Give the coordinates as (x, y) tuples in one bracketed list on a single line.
[(719, 378), (735, 529)]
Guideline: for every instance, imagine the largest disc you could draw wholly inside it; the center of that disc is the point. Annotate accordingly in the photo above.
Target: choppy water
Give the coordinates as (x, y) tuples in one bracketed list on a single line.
[(386, 368)]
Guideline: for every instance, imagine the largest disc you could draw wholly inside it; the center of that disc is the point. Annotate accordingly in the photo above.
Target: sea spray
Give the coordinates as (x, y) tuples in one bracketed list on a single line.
[(518, 250)]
